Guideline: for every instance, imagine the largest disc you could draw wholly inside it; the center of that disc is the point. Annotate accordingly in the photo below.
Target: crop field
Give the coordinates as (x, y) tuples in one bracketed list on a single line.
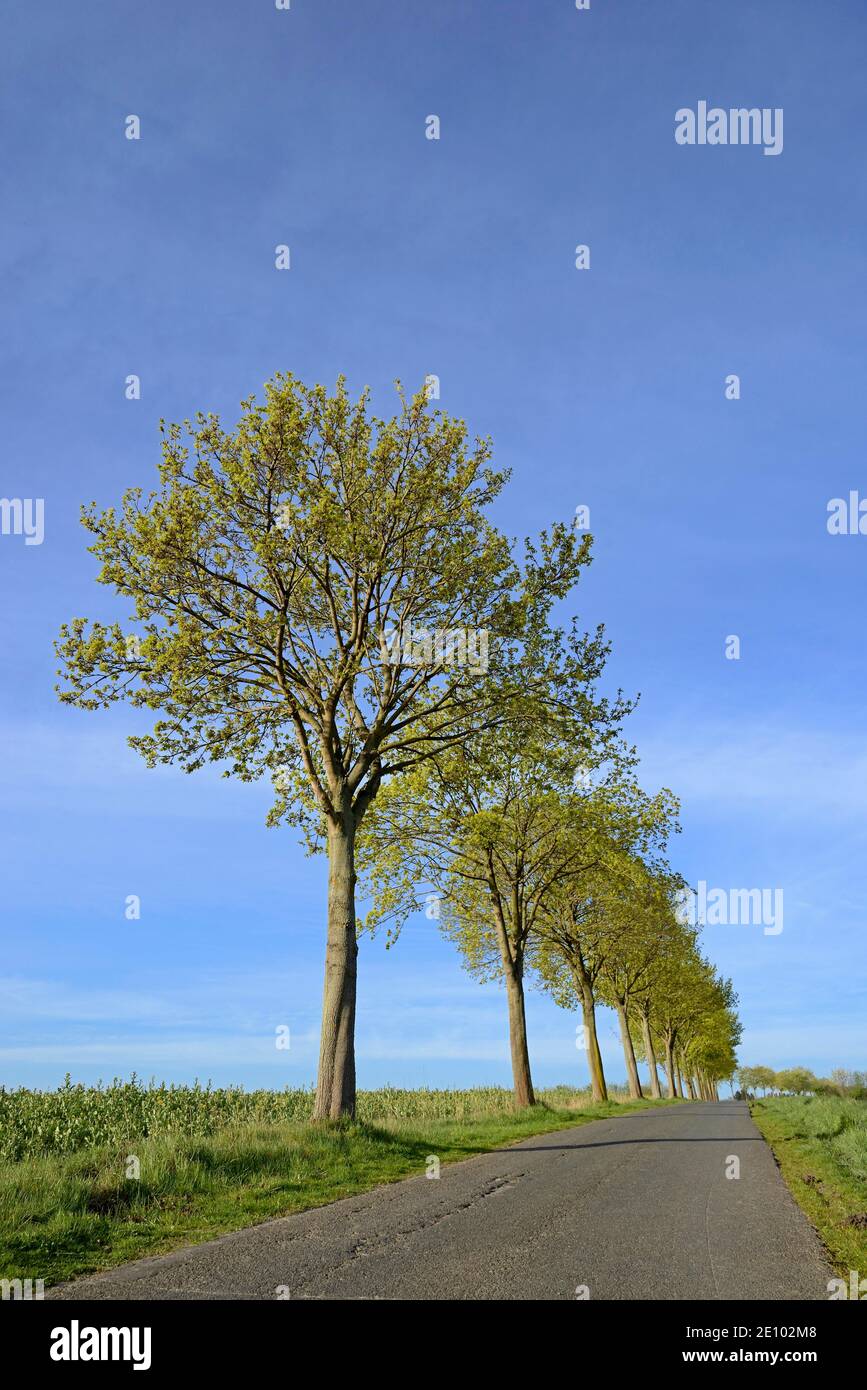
[(76, 1117)]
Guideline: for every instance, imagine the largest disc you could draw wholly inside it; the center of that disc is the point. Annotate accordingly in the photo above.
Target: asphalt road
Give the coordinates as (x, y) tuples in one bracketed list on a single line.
[(637, 1207)]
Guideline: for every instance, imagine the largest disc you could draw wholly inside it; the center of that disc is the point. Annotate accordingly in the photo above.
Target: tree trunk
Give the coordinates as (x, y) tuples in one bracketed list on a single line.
[(335, 1089), (598, 1088), (651, 1057), (628, 1052), (518, 1038), (669, 1067), (691, 1087)]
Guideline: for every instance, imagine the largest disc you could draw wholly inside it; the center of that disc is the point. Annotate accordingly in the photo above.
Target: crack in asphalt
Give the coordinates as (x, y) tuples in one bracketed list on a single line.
[(367, 1247)]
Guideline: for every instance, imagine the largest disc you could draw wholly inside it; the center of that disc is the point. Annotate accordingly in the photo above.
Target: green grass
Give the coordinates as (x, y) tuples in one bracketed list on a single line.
[(820, 1143), (67, 1207)]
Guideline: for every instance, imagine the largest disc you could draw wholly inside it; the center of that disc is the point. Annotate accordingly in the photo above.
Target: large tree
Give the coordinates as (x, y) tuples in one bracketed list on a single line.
[(313, 596)]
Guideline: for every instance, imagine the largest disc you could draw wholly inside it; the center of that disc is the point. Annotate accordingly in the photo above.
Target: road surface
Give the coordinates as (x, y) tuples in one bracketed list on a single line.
[(636, 1207)]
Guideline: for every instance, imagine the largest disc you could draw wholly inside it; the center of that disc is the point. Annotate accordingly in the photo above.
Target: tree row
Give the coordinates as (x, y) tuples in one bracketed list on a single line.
[(322, 597)]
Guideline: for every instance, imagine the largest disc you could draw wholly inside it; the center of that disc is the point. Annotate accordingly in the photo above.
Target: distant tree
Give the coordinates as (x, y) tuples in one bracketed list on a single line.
[(710, 1047), (489, 829), (763, 1078), (585, 927), (638, 911), (679, 1000), (825, 1087), (795, 1081), (849, 1082)]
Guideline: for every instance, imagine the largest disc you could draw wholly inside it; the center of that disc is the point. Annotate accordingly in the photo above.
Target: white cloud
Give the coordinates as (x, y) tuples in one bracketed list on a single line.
[(47, 766), (796, 771)]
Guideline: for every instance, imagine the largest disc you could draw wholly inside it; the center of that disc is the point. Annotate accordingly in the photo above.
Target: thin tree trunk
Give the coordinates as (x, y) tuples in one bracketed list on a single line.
[(669, 1067), (628, 1052), (518, 1038), (511, 958), (651, 1057), (598, 1088), (691, 1087), (335, 1089)]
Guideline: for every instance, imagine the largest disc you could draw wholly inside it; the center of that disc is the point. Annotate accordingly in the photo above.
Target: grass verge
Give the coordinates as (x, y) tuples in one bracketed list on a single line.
[(820, 1144), (63, 1215)]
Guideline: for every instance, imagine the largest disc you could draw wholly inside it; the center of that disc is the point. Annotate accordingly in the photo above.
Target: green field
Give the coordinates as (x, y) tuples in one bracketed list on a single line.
[(820, 1143), (211, 1161)]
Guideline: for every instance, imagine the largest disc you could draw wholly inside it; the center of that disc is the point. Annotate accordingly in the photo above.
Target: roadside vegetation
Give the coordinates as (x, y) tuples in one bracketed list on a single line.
[(820, 1143), (93, 1177)]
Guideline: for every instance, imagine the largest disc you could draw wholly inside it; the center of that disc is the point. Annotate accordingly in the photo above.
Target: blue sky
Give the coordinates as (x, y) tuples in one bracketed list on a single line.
[(602, 387)]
